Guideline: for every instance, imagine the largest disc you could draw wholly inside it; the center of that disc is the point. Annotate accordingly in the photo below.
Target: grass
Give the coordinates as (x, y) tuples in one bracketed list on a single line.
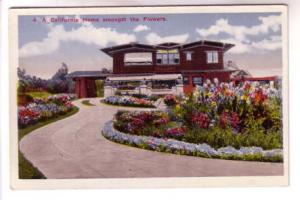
[(87, 103), (26, 169), (38, 94)]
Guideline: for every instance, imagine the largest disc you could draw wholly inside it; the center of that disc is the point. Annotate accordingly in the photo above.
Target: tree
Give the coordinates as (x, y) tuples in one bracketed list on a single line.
[(59, 83)]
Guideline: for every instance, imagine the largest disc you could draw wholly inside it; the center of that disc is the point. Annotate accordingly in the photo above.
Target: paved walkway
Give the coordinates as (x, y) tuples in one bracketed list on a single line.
[(75, 148)]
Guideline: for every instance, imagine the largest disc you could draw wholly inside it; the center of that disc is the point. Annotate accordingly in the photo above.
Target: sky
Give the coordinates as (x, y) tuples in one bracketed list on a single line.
[(47, 41)]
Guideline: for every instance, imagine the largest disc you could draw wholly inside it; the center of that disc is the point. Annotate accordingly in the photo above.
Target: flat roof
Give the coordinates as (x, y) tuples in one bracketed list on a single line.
[(169, 45), (87, 74)]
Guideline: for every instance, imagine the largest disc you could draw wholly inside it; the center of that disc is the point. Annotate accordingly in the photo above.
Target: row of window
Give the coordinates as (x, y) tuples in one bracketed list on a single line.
[(165, 57)]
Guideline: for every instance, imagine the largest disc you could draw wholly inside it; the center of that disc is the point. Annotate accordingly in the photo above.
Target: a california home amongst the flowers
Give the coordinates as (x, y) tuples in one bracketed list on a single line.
[(191, 94)]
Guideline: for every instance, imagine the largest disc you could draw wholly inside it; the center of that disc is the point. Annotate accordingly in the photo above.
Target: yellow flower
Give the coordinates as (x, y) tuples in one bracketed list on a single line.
[(213, 104), (244, 97)]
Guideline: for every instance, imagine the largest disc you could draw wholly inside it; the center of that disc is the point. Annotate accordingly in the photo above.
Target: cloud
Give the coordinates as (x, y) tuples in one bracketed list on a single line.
[(273, 43), (141, 28), (154, 38), (239, 35), (267, 24), (86, 33)]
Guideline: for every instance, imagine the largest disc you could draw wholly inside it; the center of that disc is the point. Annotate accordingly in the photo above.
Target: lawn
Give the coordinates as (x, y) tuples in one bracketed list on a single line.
[(87, 103), (43, 94), (26, 169)]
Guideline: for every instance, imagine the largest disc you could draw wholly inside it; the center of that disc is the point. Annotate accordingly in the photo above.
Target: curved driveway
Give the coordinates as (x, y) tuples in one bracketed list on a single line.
[(75, 148)]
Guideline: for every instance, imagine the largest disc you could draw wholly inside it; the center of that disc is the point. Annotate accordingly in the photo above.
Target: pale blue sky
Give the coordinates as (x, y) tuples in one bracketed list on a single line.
[(44, 46)]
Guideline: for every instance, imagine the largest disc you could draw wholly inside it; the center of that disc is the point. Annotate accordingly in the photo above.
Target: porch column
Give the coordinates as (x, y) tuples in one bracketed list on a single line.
[(83, 88), (179, 89), (144, 89)]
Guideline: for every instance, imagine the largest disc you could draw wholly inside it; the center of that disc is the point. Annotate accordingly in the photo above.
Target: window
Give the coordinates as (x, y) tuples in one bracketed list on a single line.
[(167, 57), (186, 80), (159, 58), (188, 56), (140, 58), (212, 56), (197, 81)]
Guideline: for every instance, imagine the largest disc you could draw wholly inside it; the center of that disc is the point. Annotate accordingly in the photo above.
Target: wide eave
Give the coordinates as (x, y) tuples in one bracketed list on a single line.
[(169, 45)]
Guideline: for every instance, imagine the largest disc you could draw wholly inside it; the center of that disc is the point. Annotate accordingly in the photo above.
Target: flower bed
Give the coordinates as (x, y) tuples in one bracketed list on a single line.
[(184, 148), (44, 108), (220, 115), (128, 101), (248, 114)]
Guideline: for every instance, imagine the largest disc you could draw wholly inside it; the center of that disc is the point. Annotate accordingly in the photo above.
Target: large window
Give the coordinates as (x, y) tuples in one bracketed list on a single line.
[(197, 80), (167, 57), (212, 56), (140, 58)]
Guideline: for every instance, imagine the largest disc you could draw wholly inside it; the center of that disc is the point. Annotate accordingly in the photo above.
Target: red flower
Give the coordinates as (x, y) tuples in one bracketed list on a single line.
[(229, 119), (234, 119), (161, 121), (258, 97), (201, 119), (137, 122), (175, 132), (224, 120)]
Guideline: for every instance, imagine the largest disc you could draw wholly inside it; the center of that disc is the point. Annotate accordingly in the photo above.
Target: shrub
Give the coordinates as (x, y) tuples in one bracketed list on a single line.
[(41, 109), (99, 88), (223, 115), (128, 101), (170, 100), (219, 137)]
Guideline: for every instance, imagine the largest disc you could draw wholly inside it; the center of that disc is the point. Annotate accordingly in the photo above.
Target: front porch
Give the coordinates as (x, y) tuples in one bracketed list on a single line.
[(156, 84)]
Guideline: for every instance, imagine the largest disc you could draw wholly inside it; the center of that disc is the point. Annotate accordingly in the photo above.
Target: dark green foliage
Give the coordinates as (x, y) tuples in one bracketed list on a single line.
[(218, 137), (99, 88)]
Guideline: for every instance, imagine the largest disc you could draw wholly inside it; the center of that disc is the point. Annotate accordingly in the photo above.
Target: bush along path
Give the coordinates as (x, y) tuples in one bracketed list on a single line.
[(39, 113)]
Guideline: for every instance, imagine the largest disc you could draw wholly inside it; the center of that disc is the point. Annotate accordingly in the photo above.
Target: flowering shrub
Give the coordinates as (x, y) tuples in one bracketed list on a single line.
[(170, 100), (229, 120), (61, 99), (248, 114), (128, 101), (154, 123), (41, 109), (201, 120), (175, 132)]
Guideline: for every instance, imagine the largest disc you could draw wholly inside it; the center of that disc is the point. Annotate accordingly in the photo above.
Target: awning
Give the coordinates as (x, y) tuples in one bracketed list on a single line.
[(149, 77)]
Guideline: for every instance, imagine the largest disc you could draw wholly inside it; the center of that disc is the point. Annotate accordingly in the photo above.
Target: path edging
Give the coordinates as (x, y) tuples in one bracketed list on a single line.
[(184, 148)]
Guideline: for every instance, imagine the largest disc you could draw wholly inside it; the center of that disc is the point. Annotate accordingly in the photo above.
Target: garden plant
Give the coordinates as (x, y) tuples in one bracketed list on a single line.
[(225, 115)]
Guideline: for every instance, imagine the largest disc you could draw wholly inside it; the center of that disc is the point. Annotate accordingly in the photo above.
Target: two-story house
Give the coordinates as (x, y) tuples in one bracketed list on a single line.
[(195, 62)]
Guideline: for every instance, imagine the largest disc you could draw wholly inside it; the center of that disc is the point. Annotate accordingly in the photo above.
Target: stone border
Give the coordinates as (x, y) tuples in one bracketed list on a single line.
[(184, 148)]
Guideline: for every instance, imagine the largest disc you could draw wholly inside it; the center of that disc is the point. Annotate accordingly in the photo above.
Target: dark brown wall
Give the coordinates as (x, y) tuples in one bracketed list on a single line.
[(198, 62)]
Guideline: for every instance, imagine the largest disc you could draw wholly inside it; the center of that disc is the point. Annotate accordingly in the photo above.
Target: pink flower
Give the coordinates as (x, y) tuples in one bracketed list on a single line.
[(201, 119), (175, 132)]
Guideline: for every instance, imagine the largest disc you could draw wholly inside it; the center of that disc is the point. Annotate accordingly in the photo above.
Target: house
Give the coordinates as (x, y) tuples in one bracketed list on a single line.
[(160, 68)]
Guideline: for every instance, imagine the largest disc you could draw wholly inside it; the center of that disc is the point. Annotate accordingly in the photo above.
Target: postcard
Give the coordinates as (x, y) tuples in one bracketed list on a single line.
[(148, 97)]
